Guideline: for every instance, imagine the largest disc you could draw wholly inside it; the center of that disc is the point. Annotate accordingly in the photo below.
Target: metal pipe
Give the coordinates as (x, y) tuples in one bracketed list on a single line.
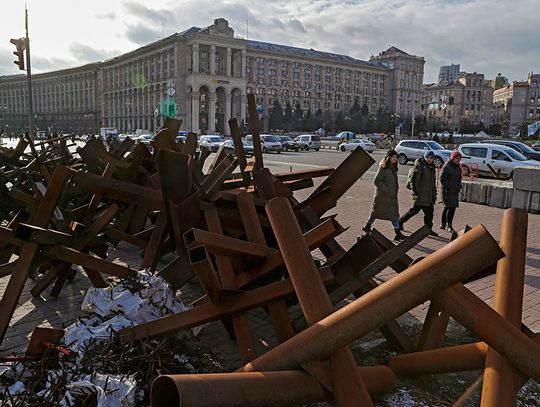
[(313, 298), (284, 388), (508, 302), (460, 259), (471, 356)]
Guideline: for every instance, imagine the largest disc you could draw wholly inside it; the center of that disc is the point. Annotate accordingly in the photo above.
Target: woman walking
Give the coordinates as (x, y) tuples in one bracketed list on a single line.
[(385, 201), (451, 185)]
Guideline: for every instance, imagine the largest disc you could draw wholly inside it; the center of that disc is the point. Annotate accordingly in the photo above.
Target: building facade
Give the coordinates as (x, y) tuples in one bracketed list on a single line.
[(517, 104), (202, 76), (449, 73), (468, 100)]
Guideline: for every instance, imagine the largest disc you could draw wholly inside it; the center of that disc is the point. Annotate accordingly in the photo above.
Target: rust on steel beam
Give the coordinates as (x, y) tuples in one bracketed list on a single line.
[(255, 131), (42, 218), (361, 277), (153, 248), (314, 238), (201, 314), (263, 180), (96, 198), (228, 246), (123, 147), (470, 356), (434, 328), (347, 173), (184, 216), (120, 190), (238, 145), (226, 270), (319, 201), (205, 272), (178, 272), (190, 146), (35, 234), (465, 256), (286, 388), (508, 302), (313, 298), (332, 250), (304, 174), (172, 126)]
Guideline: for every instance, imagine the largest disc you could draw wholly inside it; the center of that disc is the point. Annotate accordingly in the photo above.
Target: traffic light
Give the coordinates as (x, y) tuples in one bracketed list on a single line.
[(21, 45)]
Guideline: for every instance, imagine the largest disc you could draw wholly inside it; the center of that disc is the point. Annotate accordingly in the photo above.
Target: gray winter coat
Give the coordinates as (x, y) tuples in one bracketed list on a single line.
[(451, 184), (423, 183), (385, 201)]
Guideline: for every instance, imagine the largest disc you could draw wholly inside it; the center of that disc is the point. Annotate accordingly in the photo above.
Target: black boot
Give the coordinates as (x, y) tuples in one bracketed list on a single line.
[(450, 228), (399, 235), (443, 226)]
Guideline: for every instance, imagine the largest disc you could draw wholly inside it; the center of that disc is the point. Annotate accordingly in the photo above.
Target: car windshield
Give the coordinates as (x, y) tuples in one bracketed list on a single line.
[(215, 139), (272, 139), (515, 155), (285, 138), (434, 145), (524, 147)]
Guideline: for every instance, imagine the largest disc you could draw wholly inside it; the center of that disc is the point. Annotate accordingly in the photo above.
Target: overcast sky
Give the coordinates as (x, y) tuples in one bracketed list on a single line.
[(487, 36)]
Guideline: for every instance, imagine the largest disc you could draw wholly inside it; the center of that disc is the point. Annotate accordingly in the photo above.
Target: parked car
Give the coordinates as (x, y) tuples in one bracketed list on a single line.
[(308, 141), (536, 145), (288, 143), (211, 142), (357, 143), (477, 157), (410, 150), (520, 147), (268, 143), (228, 145), (345, 135), (144, 138)]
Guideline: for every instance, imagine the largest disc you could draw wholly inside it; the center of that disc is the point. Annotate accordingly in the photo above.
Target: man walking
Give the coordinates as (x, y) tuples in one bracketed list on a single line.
[(424, 193)]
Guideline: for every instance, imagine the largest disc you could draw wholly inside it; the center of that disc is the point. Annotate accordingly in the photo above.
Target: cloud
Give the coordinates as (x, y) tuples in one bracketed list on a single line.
[(85, 53), (106, 16), (142, 35)]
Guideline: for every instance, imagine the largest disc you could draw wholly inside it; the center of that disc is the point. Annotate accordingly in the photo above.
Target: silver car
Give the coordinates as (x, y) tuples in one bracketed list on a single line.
[(410, 150)]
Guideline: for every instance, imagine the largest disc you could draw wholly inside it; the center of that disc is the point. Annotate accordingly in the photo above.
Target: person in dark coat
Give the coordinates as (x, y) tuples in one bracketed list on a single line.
[(424, 190), (451, 185), (385, 202)]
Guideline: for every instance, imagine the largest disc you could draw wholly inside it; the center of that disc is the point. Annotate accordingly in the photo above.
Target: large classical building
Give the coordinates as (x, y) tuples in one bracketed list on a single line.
[(517, 104), (469, 99), (202, 76)]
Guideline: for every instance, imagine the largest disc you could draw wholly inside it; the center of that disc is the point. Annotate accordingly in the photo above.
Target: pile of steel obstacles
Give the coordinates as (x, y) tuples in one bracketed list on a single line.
[(248, 242)]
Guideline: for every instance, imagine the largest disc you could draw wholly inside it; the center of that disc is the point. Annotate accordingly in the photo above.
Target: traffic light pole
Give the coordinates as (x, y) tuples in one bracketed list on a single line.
[(29, 77)]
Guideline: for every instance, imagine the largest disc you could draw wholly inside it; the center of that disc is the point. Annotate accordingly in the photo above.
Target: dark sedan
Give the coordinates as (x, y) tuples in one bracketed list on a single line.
[(228, 146), (288, 143)]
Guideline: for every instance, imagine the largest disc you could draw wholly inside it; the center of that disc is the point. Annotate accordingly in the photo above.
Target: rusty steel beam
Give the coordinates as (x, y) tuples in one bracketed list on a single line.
[(313, 298), (96, 198), (205, 272), (304, 174), (177, 272), (224, 245), (35, 234), (255, 130), (466, 255), (184, 216), (165, 139), (28, 251), (284, 388), (153, 248), (238, 146), (201, 314), (471, 356), (500, 334), (508, 302)]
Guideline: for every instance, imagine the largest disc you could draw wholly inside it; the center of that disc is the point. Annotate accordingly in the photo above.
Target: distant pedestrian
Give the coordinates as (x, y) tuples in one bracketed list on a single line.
[(421, 181), (451, 186), (385, 202)]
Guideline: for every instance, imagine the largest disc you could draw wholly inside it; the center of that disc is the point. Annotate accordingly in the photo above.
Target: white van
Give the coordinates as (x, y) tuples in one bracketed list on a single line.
[(477, 156), (309, 141), (268, 143)]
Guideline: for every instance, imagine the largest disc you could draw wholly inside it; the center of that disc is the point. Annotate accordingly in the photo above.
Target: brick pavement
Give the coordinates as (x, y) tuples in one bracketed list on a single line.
[(353, 209)]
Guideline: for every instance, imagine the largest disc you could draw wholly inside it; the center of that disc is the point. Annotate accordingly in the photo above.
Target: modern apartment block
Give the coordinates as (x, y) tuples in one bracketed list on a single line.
[(449, 73), (202, 76), (517, 104), (469, 99)]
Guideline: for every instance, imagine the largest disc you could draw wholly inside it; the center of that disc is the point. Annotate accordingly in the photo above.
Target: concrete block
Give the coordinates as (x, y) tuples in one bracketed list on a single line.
[(486, 193), (527, 179), (463, 192), (509, 197), (535, 203), (521, 199), (474, 193), (498, 196)]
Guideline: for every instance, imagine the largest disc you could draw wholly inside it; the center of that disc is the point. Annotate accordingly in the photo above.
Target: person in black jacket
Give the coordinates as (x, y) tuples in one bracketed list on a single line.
[(424, 190), (451, 185)]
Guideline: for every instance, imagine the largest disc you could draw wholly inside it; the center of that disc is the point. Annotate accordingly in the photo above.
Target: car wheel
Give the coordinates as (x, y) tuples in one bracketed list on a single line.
[(438, 162), (316, 149), (285, 148), (279, 151), (402, 159), (306, 147), (465, 170), (264, 150), (296, 149)]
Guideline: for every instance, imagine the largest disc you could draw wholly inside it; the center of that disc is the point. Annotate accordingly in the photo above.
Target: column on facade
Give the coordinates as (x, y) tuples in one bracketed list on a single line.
[(228, 71), (212, 112), (195, 58), (195, 112), (227, 112), (242, 109), (212, 59), (243, 64)]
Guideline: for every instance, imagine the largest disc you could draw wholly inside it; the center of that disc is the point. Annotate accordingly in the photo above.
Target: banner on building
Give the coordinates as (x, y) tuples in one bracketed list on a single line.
[(533, 128)]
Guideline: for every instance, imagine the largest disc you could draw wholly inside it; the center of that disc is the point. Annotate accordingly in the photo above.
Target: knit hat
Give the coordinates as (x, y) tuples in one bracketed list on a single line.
[(429, 153), (455, 154), (391, 152)]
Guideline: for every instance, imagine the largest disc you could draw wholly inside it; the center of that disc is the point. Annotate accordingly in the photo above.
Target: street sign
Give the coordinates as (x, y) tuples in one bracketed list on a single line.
[(171, 92), (170, 83)]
